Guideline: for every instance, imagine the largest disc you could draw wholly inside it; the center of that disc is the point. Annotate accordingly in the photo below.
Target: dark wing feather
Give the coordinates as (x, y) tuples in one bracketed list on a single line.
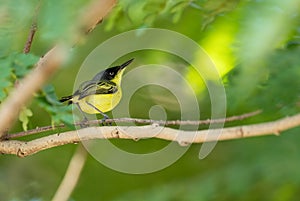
[(96, 87)]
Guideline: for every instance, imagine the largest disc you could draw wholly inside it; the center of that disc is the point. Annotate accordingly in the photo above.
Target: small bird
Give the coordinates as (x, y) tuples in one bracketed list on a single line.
[(101, 94)]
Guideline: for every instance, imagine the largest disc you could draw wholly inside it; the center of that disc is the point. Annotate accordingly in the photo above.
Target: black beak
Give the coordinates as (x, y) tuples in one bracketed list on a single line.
[(126, 63)]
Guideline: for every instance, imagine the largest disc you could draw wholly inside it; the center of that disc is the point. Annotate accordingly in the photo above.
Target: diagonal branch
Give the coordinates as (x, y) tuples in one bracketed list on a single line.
[(22, 149), (47, 65), (12, 105)]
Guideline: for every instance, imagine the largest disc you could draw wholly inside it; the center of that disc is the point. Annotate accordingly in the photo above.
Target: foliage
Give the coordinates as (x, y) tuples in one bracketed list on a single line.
[(130, 13), (255, 47), (15, 67), (48, 100), (276, 93)]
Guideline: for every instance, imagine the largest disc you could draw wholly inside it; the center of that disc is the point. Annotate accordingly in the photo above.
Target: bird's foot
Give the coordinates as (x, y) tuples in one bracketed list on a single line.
[(84, 123), (104, 121)]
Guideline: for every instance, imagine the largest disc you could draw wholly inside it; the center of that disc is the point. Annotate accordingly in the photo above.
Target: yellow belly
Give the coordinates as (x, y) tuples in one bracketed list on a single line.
[(103, 102)]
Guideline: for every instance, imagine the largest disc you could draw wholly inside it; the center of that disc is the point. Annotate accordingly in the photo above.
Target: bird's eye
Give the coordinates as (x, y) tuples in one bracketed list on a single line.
[(111, 73)]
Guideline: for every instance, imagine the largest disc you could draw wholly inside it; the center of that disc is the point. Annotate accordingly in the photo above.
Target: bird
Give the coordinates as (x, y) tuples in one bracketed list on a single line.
[(100, 94)]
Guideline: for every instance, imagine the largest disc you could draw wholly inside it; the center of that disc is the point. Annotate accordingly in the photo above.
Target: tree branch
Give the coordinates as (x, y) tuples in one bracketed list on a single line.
[(46, 67), (72, 175), (134, 120), (12, 105), (22, 149)]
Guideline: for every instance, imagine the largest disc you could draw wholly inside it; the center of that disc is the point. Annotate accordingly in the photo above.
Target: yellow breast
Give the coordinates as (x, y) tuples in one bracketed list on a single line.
[(103, 102)]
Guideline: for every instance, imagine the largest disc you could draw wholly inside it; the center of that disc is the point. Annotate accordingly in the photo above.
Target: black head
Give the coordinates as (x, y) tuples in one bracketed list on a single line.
[(112, 72)]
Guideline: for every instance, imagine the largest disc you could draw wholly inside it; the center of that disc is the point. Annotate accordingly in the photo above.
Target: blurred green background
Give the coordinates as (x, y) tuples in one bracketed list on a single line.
[(255, 46)]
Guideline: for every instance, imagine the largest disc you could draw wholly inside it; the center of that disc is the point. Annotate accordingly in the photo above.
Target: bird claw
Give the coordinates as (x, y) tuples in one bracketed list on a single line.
[(84, 123), (103, 121)]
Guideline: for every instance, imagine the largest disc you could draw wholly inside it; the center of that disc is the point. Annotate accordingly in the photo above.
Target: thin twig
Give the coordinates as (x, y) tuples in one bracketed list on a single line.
[(135, 120), (33, 29), (22, 148), (31, 34), (72, 175), (179, 122)]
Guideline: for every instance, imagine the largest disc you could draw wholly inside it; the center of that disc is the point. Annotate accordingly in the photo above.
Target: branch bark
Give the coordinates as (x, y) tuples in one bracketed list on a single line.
[(134, 120), (72, 175), (22, 149), (47, 65)]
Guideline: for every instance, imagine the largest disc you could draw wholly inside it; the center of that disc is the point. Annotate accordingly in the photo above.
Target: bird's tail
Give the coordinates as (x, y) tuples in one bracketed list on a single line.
[(66, 98)]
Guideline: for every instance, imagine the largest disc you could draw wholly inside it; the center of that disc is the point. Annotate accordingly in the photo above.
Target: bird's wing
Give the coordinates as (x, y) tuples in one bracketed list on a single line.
[(98, 76), (96, 87)]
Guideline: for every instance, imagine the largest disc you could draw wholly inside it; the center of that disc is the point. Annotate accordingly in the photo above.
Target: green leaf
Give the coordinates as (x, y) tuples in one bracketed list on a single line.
[(179, 6), (23, 63), (113, 17), (24, 117), (13, 67), (154, 6), (50, 95), (59, 113), (67, 119)]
